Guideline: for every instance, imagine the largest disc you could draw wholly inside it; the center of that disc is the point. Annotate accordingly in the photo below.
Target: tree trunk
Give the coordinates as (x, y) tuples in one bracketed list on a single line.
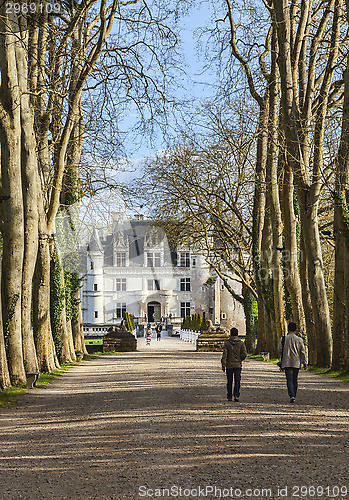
[(316, 281), (71, 340), (307, 304), (58, 308), (341, 234), (12, 262), (5, 381), (77, 325), (258, 218), (292, 277), (273, 200), (41, 308), (68, 353), (261, 327), (346, 342), (247, 304), (13, 224), (341, 283), (41, 297), (30, 183), (266, 280), (307, 195)]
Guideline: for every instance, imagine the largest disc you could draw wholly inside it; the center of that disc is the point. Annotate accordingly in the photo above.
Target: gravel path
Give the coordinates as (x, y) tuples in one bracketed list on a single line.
[(156, 424)]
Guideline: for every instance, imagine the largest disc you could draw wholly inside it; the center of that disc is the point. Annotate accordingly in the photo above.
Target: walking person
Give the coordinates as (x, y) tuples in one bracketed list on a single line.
[(158, 331), (148, 334), (292, 356), (234, 352)]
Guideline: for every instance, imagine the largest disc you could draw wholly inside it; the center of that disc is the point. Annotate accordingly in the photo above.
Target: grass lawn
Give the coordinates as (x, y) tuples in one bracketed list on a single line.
[(9, 396), (327, 372), (94, 341)]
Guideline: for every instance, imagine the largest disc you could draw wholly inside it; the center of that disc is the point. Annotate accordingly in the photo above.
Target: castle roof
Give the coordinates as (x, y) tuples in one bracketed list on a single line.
[(95, 244)]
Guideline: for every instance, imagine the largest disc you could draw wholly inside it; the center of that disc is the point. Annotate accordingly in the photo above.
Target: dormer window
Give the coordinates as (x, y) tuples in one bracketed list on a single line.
[(153, 259), (152, 239), (184, 259), (120, 259)]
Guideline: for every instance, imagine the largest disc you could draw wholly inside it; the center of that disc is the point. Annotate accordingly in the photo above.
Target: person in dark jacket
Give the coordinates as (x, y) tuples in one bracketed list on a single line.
[(158, 331), (234, 352)]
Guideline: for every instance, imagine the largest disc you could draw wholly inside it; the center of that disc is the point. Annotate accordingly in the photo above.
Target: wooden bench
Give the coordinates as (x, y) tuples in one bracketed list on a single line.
[(265, 356), (32, 378)]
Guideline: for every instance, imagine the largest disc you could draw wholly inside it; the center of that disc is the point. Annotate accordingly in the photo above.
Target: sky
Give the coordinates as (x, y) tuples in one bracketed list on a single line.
[(196, 83)]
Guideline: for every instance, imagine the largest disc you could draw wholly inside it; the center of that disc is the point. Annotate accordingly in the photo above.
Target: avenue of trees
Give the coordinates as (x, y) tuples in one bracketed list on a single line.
[(263, 193), (263, 190)]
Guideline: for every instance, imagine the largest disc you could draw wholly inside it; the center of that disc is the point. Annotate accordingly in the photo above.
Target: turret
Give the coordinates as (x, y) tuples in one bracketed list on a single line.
[(95, 280)]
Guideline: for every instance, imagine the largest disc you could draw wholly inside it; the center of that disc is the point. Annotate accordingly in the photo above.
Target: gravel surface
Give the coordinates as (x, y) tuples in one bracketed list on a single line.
[(156, 424)]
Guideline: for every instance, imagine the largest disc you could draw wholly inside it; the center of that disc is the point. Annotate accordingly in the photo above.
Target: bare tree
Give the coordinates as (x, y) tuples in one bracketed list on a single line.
[(300, 106), (11, 179), (341, 232), (203, 187)]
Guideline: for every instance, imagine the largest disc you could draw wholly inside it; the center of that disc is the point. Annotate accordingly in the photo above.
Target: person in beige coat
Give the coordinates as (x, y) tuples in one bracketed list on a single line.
[(292, 355), (234, 352)]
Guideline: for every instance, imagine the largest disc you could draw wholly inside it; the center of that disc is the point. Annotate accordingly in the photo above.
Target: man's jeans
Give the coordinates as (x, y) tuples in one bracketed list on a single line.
[(236, 373), (292, 381)]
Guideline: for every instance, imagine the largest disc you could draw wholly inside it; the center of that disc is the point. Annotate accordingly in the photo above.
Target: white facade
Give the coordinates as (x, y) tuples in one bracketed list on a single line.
[(134, 269)]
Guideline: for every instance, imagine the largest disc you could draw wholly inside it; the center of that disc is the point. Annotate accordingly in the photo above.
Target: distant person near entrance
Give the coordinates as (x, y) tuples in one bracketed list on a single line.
[(158, 330), (148, 334), (234, 352), (292, 356)]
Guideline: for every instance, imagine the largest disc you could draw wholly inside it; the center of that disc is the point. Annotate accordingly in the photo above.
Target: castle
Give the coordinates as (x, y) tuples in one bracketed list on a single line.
[(137, 269)]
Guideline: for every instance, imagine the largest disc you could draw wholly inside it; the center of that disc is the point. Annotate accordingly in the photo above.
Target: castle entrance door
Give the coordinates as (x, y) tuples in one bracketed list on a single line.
[(154, 311)]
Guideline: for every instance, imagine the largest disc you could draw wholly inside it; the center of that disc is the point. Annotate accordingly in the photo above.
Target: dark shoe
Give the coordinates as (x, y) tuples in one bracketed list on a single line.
[(230, 399), (292, 400), (236, 400)]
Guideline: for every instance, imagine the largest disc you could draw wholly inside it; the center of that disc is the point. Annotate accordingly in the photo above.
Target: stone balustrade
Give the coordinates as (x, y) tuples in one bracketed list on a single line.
[(189, 336)]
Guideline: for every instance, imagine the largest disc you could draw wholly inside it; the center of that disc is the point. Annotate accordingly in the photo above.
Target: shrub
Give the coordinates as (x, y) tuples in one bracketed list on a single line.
[(203, 326)]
